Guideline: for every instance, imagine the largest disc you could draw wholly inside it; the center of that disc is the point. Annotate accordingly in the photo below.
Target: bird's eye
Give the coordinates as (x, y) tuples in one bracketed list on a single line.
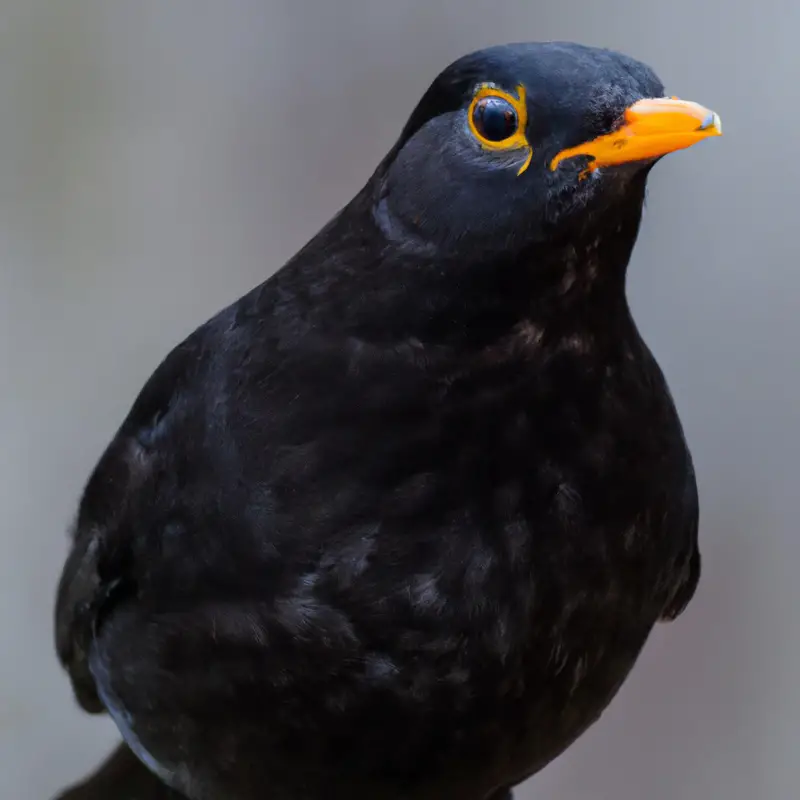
[(495, 119), (498, 120)]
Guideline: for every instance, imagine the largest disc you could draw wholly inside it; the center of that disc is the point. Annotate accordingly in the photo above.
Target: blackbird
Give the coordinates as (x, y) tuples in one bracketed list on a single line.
[(397, 523)]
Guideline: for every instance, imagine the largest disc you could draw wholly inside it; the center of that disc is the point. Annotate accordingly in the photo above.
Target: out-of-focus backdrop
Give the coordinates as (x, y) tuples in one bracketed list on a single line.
[(158, 159)]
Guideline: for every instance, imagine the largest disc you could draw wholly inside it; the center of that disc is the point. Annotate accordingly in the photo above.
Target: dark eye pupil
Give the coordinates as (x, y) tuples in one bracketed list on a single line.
[(495, 119)]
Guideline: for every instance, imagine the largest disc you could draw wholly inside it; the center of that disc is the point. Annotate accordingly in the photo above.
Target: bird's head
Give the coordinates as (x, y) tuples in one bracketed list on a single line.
[(519, 144)]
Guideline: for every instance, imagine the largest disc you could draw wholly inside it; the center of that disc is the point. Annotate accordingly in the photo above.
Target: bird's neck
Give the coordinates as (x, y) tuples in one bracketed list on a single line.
[(567, 285), (579, 279)]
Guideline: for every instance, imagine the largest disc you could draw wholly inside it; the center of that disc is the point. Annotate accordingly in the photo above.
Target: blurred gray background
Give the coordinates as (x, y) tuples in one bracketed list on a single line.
[(158, 159)]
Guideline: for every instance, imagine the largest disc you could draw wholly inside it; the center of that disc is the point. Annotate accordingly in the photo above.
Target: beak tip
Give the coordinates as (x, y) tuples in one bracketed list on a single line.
[(713, 123)]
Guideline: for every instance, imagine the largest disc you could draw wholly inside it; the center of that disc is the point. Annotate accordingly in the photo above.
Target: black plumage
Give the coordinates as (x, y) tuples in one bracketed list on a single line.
[(398, 522)]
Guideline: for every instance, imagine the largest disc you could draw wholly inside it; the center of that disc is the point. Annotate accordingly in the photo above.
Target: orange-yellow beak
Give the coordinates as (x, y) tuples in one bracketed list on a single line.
[(651, 128)]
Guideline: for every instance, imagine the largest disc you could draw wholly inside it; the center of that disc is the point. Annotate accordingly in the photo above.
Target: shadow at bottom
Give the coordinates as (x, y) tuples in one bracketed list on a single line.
[(121, 777)]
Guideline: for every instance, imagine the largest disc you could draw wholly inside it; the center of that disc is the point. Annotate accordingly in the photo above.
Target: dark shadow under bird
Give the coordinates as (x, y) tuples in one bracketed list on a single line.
[(397, 523)]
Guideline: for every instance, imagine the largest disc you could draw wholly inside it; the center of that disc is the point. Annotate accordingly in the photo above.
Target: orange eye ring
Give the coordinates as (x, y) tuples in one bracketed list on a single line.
[(517, 139)]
